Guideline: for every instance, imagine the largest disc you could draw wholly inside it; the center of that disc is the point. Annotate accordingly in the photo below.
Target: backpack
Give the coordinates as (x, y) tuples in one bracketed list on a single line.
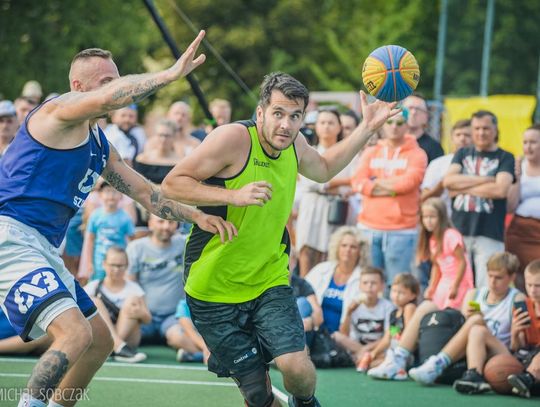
[(436, 329), (114, 311), (326, 353)]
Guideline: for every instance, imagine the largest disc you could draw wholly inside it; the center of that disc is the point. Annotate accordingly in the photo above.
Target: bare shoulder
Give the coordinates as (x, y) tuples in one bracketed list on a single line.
[(193, 141)]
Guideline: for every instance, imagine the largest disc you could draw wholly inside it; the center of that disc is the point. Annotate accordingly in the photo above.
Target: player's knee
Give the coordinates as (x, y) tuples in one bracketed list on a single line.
[(256, 388)]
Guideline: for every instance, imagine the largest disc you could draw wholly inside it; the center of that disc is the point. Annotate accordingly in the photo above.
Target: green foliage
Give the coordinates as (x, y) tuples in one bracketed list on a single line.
[(321, 42)]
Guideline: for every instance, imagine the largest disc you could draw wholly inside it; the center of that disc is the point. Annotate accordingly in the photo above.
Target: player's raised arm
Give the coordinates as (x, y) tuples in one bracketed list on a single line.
[(116, 92), (129, 182)]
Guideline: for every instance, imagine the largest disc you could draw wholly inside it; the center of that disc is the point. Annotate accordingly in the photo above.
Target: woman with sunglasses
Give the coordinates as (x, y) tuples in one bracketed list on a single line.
[(388, 177)]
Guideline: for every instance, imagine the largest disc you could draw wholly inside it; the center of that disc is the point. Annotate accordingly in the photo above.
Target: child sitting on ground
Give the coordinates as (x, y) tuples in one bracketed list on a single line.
[(403, 294), (367, 317)]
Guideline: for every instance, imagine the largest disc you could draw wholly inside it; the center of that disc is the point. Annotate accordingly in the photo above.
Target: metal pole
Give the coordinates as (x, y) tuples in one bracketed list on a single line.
[(488, 33), (441, 47), (176, 52), (537, 114)]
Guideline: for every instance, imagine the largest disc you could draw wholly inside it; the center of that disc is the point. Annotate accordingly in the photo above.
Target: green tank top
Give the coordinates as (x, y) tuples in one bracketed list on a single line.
[(258, 258)]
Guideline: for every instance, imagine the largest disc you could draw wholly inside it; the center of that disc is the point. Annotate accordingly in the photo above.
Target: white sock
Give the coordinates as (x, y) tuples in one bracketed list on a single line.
[(401, 355), (28, 401), (54, 404)]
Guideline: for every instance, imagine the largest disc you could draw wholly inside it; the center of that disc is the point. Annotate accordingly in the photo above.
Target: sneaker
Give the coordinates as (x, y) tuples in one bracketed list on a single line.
[(363, 364), (427, 372), (521, 384), (292, 403), (471, 382), (184, 356), (389, 369), (128, 355)]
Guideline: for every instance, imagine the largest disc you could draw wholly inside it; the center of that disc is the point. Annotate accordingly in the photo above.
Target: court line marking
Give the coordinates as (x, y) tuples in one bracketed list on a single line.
[(135, 380), (279, 394), (119, 364)]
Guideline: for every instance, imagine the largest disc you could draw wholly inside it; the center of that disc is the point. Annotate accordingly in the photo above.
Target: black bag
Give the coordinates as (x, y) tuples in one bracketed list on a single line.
[(436, 329), (326, 353), (338, 210), (114, 311)]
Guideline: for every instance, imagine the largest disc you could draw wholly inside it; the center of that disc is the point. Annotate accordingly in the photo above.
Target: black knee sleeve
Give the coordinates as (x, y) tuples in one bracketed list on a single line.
[(256, 388)]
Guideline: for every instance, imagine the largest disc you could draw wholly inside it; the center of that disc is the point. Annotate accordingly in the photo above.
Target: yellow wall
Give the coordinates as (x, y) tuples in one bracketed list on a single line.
[(514, 113)]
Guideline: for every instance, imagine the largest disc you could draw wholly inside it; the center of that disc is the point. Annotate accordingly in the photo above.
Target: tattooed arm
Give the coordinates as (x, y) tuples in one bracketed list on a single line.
[(117, 93), (131, 183)]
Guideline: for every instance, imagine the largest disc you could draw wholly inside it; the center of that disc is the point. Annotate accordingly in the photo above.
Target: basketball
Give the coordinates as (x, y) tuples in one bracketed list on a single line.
[(497, 370), (390, 73)]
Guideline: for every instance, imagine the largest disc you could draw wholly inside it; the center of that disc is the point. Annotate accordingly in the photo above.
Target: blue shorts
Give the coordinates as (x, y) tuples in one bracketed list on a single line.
[(155, 331), (35, 286)]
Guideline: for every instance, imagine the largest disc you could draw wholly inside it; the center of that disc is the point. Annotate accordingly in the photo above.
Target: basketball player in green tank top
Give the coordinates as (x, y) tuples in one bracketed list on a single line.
[(238, 292)]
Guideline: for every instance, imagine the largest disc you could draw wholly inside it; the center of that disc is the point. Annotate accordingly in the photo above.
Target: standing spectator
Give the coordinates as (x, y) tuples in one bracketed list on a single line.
[(221, 111), (107, 226), (312, 227), (432, 185), (187, 136), (349, 122), (388, 177), (32, 90), (336, 281), (417, 121), (23, 106), (125, 134), (121, 305), (478, 180), (156, 263), (523, 234), (8, 124)]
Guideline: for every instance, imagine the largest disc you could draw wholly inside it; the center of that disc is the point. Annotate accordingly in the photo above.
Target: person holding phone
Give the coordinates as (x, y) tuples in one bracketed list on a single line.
[(526, 335)]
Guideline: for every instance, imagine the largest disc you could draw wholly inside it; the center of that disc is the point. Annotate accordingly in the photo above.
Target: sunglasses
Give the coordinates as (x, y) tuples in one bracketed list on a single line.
[(397, 122)]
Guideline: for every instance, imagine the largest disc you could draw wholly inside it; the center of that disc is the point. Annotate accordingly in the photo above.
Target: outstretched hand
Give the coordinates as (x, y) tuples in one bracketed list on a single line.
[(186, 63), (374, 115)]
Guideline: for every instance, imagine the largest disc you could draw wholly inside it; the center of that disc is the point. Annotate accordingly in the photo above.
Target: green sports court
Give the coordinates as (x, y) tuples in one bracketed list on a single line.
[(160, 381)]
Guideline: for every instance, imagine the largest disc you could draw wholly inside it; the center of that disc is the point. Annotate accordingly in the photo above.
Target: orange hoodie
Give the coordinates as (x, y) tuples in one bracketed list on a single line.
[(405, 166)]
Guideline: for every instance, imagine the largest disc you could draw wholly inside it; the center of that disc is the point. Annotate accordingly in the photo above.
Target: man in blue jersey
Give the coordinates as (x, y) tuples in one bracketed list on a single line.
[(45, 176)]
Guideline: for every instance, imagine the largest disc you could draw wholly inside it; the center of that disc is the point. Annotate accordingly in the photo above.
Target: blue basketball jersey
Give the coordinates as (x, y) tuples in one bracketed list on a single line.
[(43, 187)]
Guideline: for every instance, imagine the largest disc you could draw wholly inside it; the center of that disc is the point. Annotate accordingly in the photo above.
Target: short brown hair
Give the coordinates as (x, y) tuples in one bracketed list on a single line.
[(92, 52), (408, 281), (533, 267), (373, 270), (461, 124), (504, 261)]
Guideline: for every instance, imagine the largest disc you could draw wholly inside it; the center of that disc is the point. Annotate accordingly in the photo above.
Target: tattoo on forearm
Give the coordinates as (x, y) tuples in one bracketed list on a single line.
[(168, 209), (136, 90), (47, 374), (117, 182)]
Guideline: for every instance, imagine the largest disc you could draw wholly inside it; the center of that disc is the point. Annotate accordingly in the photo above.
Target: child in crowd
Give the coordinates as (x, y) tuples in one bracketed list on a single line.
[(185, 337), (403, 294), (367, 317), (122, 305), (451, 273), (107, 226), (490, 306), (526, 335)]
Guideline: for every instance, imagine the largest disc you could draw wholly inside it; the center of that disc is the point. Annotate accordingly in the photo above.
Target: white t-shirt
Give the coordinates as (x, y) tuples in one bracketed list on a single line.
[(122, 143), (369, 324), (435, 172), (529, 194), (131, 289)]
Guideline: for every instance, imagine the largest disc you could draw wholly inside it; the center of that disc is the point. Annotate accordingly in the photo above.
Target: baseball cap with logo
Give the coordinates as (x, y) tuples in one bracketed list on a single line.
[(7, 108)]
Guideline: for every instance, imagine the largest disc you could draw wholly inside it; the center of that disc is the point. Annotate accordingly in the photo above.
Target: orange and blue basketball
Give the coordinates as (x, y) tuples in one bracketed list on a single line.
[(390, 73)]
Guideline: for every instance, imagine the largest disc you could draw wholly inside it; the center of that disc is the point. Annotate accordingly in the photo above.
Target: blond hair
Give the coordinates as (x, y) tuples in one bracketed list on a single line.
[(504, 261), (337, 237)]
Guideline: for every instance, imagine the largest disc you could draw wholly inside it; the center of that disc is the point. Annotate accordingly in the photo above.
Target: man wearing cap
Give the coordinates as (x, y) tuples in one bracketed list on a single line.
[(8, 124)]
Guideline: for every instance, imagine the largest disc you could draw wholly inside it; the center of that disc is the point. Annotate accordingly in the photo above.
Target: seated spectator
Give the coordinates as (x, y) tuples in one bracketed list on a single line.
[(8, 125), (156, 263), (108, 226), (495, 304), (11, 343), (221, 111), (121, 304), (388, 177), (525, 341), (403, 294), (336, 281), (308, 306), (349, 122), (367, 317), (187, 136), (451, 273), (125, 134), (523, 235), (185, 337), (23, 106)]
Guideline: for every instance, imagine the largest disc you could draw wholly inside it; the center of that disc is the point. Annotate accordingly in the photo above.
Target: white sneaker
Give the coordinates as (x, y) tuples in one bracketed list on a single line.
[(427, 372), (389, 369)]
